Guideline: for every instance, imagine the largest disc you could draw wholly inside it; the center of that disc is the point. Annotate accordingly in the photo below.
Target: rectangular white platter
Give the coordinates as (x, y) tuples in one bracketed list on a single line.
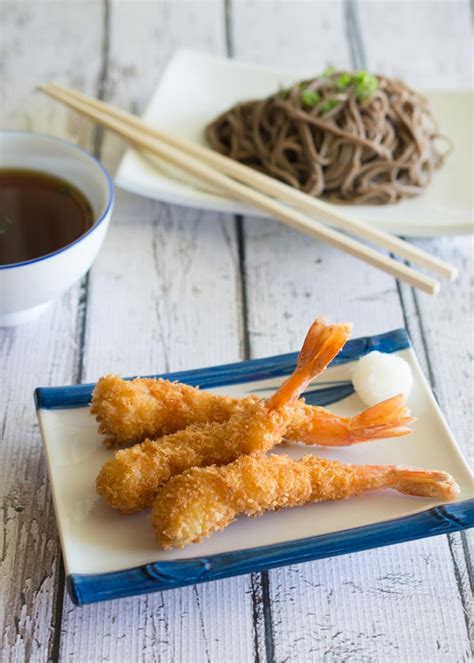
[(107, 555), (195, 88)]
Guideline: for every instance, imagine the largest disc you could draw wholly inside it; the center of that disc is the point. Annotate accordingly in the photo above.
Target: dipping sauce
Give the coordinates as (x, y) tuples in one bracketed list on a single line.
[(39, 214)]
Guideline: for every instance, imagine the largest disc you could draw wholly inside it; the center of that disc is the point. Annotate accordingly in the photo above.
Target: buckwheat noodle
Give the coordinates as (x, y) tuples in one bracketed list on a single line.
[(330, 137)]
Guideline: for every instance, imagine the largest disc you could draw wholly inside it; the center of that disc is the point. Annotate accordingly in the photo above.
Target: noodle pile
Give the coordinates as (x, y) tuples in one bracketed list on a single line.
[(350, 137)]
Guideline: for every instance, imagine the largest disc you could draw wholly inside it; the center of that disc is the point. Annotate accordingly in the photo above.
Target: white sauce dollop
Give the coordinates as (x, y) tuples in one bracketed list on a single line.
[(379, 375)]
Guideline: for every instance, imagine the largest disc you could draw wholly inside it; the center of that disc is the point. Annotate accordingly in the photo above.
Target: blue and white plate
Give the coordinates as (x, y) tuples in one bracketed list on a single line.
[(107, 555)]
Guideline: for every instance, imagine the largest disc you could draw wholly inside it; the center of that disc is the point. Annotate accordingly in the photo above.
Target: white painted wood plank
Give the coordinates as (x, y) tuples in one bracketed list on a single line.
[(448, 333), (173, 308), (441, 327), (163, 295), (163, 292), (291, 281), (131, 627), (40, 45), (446, 325), (287, 288), (447, 320), (29, 540), (144, 36), (371, 606), (290, 34), (428, 43), (44, 352)]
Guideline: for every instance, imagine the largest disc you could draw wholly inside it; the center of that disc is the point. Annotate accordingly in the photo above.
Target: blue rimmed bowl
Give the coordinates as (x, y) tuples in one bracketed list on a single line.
[(28, 288)]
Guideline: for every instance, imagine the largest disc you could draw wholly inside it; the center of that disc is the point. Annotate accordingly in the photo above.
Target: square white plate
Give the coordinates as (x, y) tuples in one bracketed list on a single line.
[(195, 88), (108, 555)]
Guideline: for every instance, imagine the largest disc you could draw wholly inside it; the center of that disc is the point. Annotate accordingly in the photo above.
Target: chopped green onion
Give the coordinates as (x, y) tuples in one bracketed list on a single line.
[(365, 84), (310, 97), (329, 105), (343, 81)]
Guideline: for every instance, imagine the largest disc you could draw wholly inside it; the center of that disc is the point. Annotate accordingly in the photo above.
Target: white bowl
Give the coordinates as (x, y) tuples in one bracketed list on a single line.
[(27, 288)]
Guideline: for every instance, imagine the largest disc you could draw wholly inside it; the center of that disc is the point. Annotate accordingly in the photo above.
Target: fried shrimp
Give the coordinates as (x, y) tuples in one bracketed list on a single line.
[(129, 481), (203, 500), (129, 411)]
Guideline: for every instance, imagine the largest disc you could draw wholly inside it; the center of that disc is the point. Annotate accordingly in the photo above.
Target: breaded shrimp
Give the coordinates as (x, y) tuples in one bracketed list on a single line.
[(130, 411), (203, 500), (130, 480)]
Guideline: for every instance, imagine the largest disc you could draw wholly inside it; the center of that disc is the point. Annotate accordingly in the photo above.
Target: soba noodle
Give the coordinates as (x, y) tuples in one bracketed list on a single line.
[(349, 137)]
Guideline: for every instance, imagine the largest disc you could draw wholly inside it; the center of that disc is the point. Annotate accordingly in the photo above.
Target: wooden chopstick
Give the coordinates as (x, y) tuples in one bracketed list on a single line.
[(291, 217), (282, 191)]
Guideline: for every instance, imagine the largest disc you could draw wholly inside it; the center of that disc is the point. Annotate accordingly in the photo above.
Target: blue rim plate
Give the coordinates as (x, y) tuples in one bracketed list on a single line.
[(67, 430)]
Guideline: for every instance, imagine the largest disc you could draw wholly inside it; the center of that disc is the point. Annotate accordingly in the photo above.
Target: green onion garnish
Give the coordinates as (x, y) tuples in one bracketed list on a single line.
[(365, 84), (329, 105), (343, 81), (310, 97)]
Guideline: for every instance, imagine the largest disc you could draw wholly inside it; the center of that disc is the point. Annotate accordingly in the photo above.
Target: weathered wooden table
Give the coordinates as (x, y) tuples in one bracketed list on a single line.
[(175, 288)]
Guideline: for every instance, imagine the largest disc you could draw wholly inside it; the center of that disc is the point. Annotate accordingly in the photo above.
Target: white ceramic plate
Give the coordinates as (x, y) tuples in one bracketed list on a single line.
[(108, 555), (195, 88)]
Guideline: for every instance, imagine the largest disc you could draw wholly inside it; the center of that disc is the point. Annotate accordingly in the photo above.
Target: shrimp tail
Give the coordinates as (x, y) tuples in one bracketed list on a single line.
[(390, 418), (321, 345), (423, 483), (315, 425)]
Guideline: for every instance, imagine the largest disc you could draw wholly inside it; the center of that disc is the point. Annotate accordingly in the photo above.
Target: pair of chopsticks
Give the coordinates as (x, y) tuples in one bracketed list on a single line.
[(279, 200)]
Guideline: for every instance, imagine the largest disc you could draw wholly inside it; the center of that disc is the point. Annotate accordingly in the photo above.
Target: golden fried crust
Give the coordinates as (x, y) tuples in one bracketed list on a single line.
[(203, 500), (130, 480), (130, 411), (191, 506)]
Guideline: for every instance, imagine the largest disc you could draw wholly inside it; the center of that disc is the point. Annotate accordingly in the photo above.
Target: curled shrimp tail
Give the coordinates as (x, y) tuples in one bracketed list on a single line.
[(390, 418), (436, 484), (321, 345), (414, 481), (316, 425)]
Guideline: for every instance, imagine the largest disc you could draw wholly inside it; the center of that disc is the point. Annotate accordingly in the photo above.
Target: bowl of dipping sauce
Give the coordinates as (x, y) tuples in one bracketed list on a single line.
[(56, 200)]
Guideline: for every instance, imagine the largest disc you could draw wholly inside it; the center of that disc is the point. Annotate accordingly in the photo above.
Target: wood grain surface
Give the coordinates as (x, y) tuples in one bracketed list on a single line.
[(176, 288)]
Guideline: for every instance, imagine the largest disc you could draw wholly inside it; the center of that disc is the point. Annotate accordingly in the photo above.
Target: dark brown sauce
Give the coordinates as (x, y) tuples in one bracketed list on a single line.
[(39, 214)]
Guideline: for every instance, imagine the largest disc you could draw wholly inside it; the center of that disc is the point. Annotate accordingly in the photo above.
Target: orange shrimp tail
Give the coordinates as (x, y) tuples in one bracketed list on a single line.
[(321, 345), (315, 425), (425, 483), (389, 418), (409, 481)]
